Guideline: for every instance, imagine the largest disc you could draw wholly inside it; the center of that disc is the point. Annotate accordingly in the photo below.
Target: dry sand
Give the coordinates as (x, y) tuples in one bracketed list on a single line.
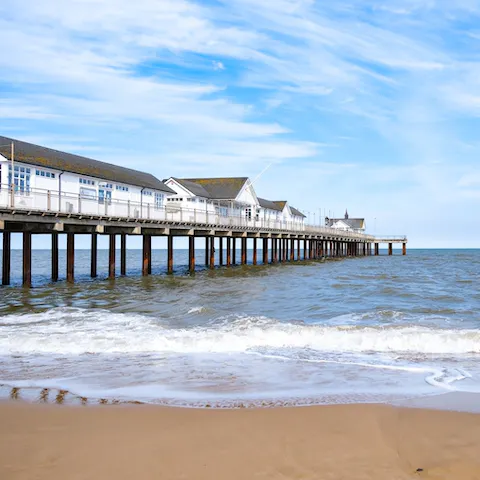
[(327, 442)]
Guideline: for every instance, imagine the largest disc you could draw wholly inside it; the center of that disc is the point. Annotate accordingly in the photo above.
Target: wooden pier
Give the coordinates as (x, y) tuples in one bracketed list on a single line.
[(278, 246)]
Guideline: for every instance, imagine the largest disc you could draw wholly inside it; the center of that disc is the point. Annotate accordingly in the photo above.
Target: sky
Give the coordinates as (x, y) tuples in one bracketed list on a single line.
[(368, 105)]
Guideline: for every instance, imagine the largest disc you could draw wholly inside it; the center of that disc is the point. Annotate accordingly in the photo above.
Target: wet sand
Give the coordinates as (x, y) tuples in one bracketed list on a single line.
[(326, 442)]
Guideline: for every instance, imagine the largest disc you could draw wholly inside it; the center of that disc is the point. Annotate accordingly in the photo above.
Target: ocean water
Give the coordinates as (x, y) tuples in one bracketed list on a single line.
[(369, 329)]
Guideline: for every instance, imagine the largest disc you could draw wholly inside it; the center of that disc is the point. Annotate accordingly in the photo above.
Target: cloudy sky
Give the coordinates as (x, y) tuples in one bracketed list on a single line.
[(364, 104)]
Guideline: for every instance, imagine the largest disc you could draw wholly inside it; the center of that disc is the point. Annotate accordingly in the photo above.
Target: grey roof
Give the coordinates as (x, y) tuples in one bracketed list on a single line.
[(269, 204), (355, 223), (298, 213), (214, 188), (68, 162)]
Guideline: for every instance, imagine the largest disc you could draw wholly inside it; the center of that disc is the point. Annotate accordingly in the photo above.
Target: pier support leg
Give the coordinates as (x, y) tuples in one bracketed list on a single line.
[(298, 249), (54, 257), (304, 248), (220, 251), (234, 251), (229, 252), (27, 259), (70, 257), (147, 255), (390, 248), (212, 252), (292, 250), (272, 250), (6, 255), (191, 254), (404, 249), (377, 249), (275, 250), (111, 256), (170, 254), (279, 249), (244, 250), (254, 260), (207, 251), (123, 254), (265, 251), (93, 256)]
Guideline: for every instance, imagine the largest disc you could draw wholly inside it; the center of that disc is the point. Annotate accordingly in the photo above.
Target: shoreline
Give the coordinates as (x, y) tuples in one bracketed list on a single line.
[(455, 401), (359, 441)]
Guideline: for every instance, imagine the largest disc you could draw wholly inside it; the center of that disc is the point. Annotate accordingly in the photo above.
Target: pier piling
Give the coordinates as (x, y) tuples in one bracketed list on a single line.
[(111, 256), (27, 259), (170, 254), (265, 251), (207, 250), (404, 249), (147, 255), (93, 255), (123, 254), (191, 254), (212, 252), (234, 251), (6, 256), (390, 249), (220, 251), (54, 257), (254, 260), (244, 250), (229, 251), (70, 257)]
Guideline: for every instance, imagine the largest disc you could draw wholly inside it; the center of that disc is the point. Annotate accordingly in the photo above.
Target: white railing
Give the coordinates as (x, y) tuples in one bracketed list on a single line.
[(38, 200)]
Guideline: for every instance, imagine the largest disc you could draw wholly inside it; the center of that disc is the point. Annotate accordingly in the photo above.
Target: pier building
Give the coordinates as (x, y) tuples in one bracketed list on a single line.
[(45, 191), (346, 223)]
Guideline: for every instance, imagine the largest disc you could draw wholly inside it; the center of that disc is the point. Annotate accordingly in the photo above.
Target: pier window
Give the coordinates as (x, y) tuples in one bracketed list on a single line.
[(159, 200), (44, 173), (121, 188), (21, 178), (147, 194), (86, 181)]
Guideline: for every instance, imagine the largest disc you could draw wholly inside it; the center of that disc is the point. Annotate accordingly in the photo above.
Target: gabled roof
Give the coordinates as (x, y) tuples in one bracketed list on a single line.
[(214, 188), (47, 157), (355, 223), (192, 187), (268, 204), (297, 213)]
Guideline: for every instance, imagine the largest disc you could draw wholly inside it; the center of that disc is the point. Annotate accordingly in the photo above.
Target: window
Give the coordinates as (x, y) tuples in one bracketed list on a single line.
[(43, 173), (21, 178), (109, 185), (148, 194), (248, 213), (159, 200), (85, 181), (121, 188)]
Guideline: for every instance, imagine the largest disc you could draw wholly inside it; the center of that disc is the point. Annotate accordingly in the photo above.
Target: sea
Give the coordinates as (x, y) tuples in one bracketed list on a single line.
[(366, 329)]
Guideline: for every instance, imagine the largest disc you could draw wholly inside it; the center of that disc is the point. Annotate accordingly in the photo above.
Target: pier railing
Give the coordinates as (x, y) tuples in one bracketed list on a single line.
[(46, 201)]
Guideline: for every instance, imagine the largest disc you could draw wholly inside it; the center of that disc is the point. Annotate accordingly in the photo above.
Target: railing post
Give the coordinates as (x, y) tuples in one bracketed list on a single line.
[(49, 201)]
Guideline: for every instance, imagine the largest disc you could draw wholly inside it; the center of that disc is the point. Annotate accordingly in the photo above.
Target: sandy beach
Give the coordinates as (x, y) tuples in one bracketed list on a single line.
[(325, 442)]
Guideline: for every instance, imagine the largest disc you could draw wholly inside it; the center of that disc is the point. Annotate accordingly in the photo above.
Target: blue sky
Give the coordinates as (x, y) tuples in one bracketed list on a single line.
[(368, 105)]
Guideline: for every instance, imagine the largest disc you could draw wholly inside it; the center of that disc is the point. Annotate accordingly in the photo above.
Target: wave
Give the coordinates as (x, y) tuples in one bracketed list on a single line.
[(79, 331)]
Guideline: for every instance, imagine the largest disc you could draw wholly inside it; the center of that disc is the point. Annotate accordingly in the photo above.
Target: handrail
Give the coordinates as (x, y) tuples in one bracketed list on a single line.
[(47, 201)]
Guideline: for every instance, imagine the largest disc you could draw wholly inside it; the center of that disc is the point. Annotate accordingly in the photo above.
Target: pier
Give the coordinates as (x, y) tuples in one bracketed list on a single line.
[(220, 240), (44, 191)]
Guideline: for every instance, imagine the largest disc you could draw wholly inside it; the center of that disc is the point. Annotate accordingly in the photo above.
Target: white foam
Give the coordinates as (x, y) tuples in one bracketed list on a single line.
[(78, 331)]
